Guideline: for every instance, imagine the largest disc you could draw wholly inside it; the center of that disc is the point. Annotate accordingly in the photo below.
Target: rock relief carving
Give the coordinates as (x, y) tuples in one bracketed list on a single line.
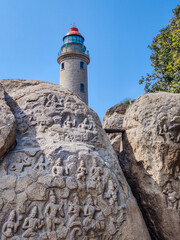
[(85, 125), (32, 224), (58, 169), (41, 165), (174, 129), (51, 213), (177, 173), (81, 172), (1, 203), (162, 126), (86, 213), (111, 193), (95, 176), (169, 130), (53, 101), (71, 167), (45, 124), (122, 217), (111, 227), (89, 211), (19, 165), (69, 123), (172, 196), (75, 222), (112, 196), (11, 226)]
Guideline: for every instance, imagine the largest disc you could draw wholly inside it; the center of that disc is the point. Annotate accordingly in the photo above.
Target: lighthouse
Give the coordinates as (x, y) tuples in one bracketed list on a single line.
[(73, 60)]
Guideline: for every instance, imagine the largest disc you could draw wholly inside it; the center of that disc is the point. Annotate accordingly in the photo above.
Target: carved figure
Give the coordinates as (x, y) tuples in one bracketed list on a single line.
[(122, 217), (105, 208), (58, 169), (11, 226), (175, 129), (51, 212), (95, 175), (82, 171), (1, 203), (32, 224), (53, 101), (85, 125), (71, 165), (111, 194), (162, 127), (68, 123), (172, 196), (20, 165), (75, 220), (111, 227), (89, 211), (41, 165), (177, 173), (100, 225)]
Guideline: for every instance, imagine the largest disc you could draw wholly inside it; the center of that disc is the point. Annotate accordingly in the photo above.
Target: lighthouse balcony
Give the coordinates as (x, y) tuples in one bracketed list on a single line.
[(73, 48)]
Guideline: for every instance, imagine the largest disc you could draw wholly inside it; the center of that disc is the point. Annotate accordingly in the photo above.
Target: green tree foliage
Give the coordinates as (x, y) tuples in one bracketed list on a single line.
[(126, 101), (165, 58)]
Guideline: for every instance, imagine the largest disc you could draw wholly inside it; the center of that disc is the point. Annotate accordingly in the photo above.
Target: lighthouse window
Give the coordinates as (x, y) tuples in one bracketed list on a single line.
[(62, 65), (82, 87), (73, 39), (82, 65)]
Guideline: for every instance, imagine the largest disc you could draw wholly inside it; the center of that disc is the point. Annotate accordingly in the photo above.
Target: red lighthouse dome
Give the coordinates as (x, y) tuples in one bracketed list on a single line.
[(73, 31)]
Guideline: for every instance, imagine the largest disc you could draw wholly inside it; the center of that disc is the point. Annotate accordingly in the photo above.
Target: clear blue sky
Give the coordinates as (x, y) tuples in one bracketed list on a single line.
[(117, 33)]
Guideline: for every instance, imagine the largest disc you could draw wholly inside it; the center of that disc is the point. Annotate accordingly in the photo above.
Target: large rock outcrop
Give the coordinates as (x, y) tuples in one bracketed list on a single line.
[(62, 180), (7, 125), (113, 120), (151, 161)]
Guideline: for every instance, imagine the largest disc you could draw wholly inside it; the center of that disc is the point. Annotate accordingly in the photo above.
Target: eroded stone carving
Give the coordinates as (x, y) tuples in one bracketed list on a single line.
[(111, 193), (61, 200), (53, 101), (11, 226), (32, 224), (85, 125), (95, 176), (71, 165), (175, 129), (51, 212), (69, 123), (81, 171), (20, 164), (58, 169), (172, 196), (75, 223), (151, 160), (89, 211), (177, 173), (41, 165)]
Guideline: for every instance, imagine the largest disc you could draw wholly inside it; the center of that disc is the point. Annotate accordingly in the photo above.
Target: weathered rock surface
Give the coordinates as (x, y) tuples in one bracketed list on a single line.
[(114, 116), (7, 125), (113, 119), (62, 180), (151, 161)]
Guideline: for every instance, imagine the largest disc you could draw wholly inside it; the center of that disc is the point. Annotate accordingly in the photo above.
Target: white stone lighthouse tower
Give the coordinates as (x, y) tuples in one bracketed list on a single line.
[(73, 60)]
